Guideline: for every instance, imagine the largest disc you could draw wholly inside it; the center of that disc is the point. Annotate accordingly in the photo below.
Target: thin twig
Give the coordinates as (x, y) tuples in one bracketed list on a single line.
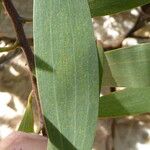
[(11, 55), (16, 19), (142, 20), (26, 20)]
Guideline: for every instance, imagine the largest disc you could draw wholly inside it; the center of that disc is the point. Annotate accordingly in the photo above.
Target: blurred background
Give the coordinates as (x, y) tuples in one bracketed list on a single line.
[(115, 31)]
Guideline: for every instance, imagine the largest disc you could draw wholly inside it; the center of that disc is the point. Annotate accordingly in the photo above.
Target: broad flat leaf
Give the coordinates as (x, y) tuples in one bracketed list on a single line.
[(27, 123), (130, 101), (106, 7), (127, 67), (68, 83)]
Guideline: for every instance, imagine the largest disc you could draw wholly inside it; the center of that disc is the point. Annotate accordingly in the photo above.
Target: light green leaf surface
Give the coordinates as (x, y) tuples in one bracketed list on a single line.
[(127, 67), (130, 101), (106, 7), (27, 123), (69, 82)]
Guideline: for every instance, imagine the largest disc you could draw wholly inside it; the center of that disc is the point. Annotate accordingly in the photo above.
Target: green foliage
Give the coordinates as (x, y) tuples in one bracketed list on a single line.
[(27, 123), (69, 72), (127, 67), (106, 7), (69, 86), (131, 101)]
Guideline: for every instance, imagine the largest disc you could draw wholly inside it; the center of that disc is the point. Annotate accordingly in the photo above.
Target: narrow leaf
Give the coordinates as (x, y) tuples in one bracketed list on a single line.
[(107, 7), (127, 67), (130, 101), (27, 123), (68, 84), (100, 53), (12, 47)]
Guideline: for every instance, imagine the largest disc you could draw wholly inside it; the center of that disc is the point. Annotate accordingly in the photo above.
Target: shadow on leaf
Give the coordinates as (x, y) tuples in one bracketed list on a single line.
[(41, 64), (57, 140)]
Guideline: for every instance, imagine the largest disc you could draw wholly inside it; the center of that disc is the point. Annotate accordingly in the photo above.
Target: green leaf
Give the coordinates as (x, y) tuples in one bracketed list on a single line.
[(11, 47), (127, 67), (107, 7), (130, 101), (27, 123), (100, 53), (68, 84)]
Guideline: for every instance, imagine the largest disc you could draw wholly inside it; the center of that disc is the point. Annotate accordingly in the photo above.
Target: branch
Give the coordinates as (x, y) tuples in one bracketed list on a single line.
[(16, 19), (18, 26), (143, 19)]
